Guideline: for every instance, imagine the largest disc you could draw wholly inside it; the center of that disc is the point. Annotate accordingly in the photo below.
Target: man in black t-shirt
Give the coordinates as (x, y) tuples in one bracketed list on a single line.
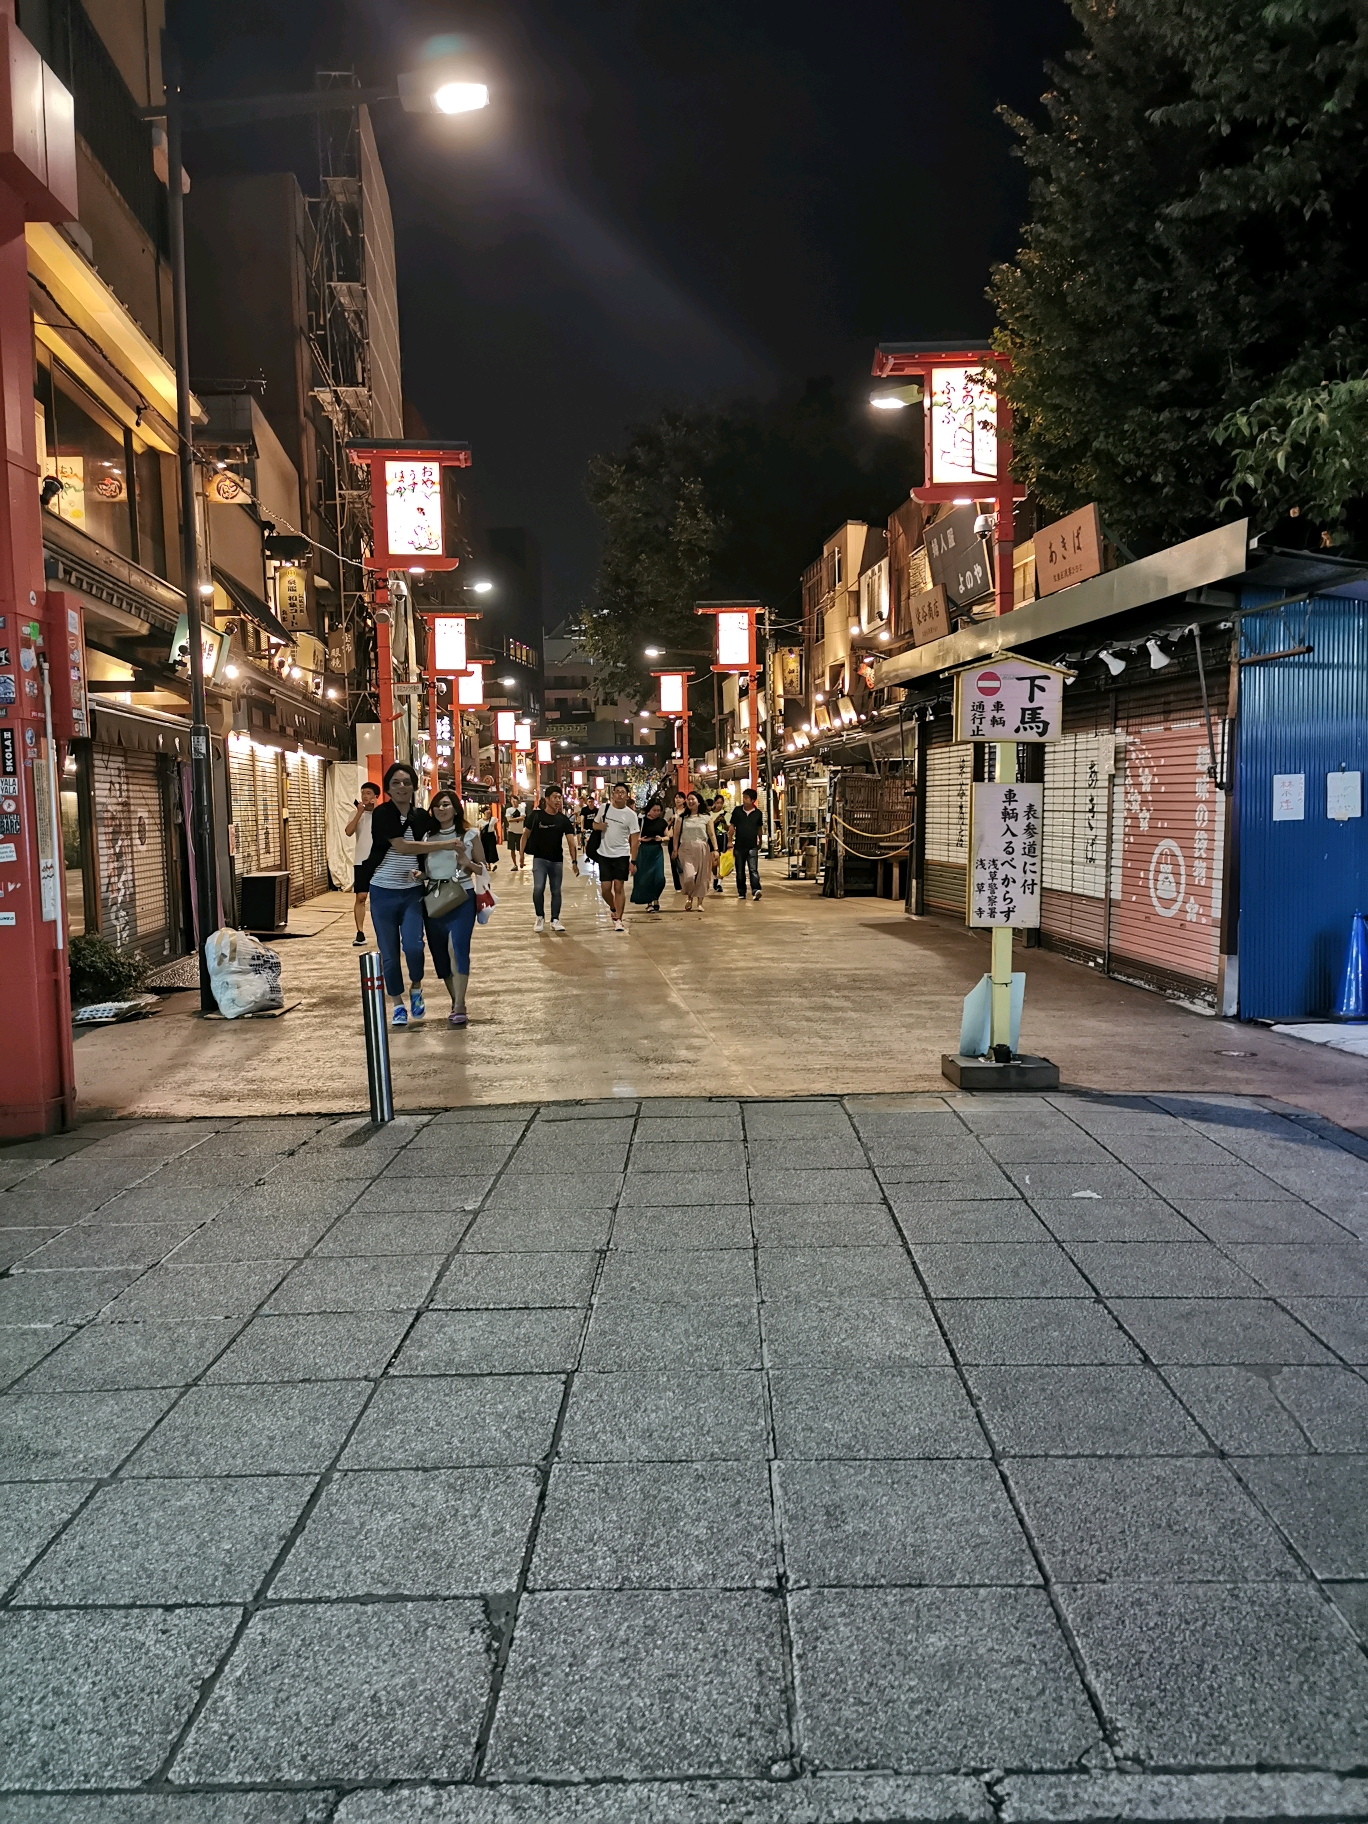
[(543, 834), (747, 826)]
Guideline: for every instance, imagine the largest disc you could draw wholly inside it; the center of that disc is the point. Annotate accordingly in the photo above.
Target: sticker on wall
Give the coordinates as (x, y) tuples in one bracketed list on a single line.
[(1289, 797), (9, 823), (8, 690), (8, 852), (9, 918), (1343, 796)]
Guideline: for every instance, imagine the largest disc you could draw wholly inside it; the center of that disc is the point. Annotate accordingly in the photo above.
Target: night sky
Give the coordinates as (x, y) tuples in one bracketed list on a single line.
[(670, 202)]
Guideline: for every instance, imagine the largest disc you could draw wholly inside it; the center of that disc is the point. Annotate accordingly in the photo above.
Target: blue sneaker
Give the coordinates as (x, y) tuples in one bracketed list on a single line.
[(417, 1010), (400, 1015)]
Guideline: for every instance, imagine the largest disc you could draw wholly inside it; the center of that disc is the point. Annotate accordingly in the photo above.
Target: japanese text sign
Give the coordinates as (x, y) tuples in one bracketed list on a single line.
[(928, 615), (1004, 876), (962, 428), (959, 561), (413, 508), (1009, 700), (1069, 551)]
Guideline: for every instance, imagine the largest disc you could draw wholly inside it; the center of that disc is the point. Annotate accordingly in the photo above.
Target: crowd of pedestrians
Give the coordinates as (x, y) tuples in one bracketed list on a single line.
[(425, 875)]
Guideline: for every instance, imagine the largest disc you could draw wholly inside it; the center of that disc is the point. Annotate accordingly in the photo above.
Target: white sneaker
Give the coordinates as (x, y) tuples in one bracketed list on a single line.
[(618, 925), (556, 925), (540, 924)]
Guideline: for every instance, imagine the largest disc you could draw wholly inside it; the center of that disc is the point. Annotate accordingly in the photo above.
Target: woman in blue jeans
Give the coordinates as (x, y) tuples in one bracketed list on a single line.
[(449, 936), (399, 828)]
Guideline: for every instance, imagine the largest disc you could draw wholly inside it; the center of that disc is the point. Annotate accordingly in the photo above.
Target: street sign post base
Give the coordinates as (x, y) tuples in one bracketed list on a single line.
[(985, 1073)]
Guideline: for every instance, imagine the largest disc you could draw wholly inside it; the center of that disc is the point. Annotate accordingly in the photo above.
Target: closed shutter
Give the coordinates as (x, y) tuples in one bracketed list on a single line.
[(949, 782), (133, 850), (1166, 922), (242, 784), (1074, 843), (304, 828), (254, 775)]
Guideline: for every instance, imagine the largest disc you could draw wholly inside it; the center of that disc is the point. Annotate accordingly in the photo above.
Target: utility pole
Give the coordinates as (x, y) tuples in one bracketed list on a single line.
[(201, 761)]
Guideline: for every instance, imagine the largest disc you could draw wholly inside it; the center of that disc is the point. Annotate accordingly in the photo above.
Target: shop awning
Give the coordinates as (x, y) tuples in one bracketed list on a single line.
[(248, 603)]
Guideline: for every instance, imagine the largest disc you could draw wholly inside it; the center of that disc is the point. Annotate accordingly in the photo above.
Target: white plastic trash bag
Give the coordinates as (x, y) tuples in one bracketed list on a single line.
[(244, 974)]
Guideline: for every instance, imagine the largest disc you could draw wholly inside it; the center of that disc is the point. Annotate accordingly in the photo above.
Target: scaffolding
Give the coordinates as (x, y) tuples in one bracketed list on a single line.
[(342, 388)]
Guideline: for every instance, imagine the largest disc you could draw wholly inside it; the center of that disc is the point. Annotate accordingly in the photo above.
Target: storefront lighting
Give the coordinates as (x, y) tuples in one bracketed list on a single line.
[(962, 500), (1114, 665), (1158, 657), (295, 672), (883, 635), (417, 570), (331, 695), (230, 671), (509, 683), (206, 590), (562, 744)]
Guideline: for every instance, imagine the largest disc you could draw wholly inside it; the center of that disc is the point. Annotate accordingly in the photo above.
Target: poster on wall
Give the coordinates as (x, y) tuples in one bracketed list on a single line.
[(1004, 873)]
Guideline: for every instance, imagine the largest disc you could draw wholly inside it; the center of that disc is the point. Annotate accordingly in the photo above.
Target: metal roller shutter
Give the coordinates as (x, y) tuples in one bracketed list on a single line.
[(254, 776), (132, 849), (304, 829), (949, 779), (1168, 853), (1073, 911)]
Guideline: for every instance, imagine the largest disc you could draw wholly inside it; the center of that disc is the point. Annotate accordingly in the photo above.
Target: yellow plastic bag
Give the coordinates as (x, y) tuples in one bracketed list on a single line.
[(727, 865)]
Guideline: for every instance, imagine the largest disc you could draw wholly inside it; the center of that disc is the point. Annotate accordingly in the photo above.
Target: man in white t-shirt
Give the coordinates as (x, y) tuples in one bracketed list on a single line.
[(618, 844), (359, 825)]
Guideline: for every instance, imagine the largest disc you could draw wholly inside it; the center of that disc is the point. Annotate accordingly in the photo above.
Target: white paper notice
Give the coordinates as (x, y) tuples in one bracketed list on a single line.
[(1289, 797), (8, 852), (1343, 796), (1004, 886)]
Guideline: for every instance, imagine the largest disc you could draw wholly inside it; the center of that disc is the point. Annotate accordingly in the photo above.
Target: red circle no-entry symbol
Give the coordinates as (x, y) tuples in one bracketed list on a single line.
[(988, 683)]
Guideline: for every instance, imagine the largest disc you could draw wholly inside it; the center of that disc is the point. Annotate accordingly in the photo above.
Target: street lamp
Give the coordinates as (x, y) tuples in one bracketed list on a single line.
[(483, 587)]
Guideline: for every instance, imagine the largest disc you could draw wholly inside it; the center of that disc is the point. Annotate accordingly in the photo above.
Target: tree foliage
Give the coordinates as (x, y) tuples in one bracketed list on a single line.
[(1198, 243), (711, 504)]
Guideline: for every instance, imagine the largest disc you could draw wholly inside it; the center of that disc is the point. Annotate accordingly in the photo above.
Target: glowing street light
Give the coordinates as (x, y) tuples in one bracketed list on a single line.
[(460, 97)]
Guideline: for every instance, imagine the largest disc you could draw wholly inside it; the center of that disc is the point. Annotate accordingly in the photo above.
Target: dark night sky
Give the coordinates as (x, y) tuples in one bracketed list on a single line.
[(672, 201)]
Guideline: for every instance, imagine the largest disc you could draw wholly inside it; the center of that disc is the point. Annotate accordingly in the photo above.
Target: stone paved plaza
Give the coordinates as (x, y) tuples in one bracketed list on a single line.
[(688, 1462)]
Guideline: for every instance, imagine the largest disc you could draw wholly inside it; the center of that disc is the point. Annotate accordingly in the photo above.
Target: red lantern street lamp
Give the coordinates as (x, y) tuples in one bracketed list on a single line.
[(968, 432), (736, 654), (674, 703), (408, 532)]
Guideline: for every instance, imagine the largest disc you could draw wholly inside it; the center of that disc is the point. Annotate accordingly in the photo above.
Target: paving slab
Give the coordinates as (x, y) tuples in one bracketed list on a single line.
[(492, 1342), (805, 1330), (1281, 1679), (47, 1435), (1172, 1520), (60, 1298), (837, 1272), (937, 1680), (251, 1430), (208, 1540), (1249, 1411), (1083, 1412), (398, 1282), (1213, 1330), (30, 1513), (878, 1524), (1004, 1269), (814, 1225), (1028, 1333), (337, 1692), (1321, 1503), (1341, 1323), (414, 1533), (483, 1281), (644, 1333), (640, 1685), (622, 1526), (1161, 1269), (654, 1229), (664, 1416), (888, 1411), (132, 1355), (98, 1698), (317, 1346), (450, 1421), (686, 1274)]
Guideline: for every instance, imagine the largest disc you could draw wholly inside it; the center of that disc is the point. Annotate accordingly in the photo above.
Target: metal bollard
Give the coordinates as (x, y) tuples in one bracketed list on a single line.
[(377, 1038)]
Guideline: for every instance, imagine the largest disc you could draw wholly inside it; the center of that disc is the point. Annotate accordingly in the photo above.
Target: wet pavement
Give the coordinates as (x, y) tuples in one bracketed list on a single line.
[(688, 1461)]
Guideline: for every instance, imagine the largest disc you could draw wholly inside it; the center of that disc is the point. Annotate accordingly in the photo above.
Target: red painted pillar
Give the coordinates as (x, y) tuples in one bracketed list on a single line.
[(37, 1072), (384, 673)]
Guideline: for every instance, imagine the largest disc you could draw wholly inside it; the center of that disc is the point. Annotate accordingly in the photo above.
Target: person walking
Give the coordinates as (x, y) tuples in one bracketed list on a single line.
[(695, 844), (649, 881), (449, 925), (489, 836), (619, 830), (359, 826), (747, 827), (514, 824), (396, 890), (544, 834), (673, 803), (718, 812)]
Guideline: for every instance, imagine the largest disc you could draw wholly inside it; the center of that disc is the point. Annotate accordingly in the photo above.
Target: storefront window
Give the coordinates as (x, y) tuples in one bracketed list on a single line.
[(85, 451), (147, 483)]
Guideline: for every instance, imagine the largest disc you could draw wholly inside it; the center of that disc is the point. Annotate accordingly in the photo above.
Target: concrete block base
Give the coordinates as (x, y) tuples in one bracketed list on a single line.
[(983, 1073)]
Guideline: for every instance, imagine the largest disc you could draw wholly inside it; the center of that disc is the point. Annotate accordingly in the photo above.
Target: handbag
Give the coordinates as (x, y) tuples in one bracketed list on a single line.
[(443, 897), (726, 867)]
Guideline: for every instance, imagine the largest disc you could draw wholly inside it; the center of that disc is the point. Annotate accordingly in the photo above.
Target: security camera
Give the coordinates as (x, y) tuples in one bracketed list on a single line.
[(985, 524)]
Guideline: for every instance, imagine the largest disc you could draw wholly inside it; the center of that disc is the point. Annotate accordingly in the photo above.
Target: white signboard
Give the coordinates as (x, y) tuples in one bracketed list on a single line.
[(1343, 796), (413, 508), (1004, 874), (963, 426), (1289, 797), (448, 644), (1009, 700)]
